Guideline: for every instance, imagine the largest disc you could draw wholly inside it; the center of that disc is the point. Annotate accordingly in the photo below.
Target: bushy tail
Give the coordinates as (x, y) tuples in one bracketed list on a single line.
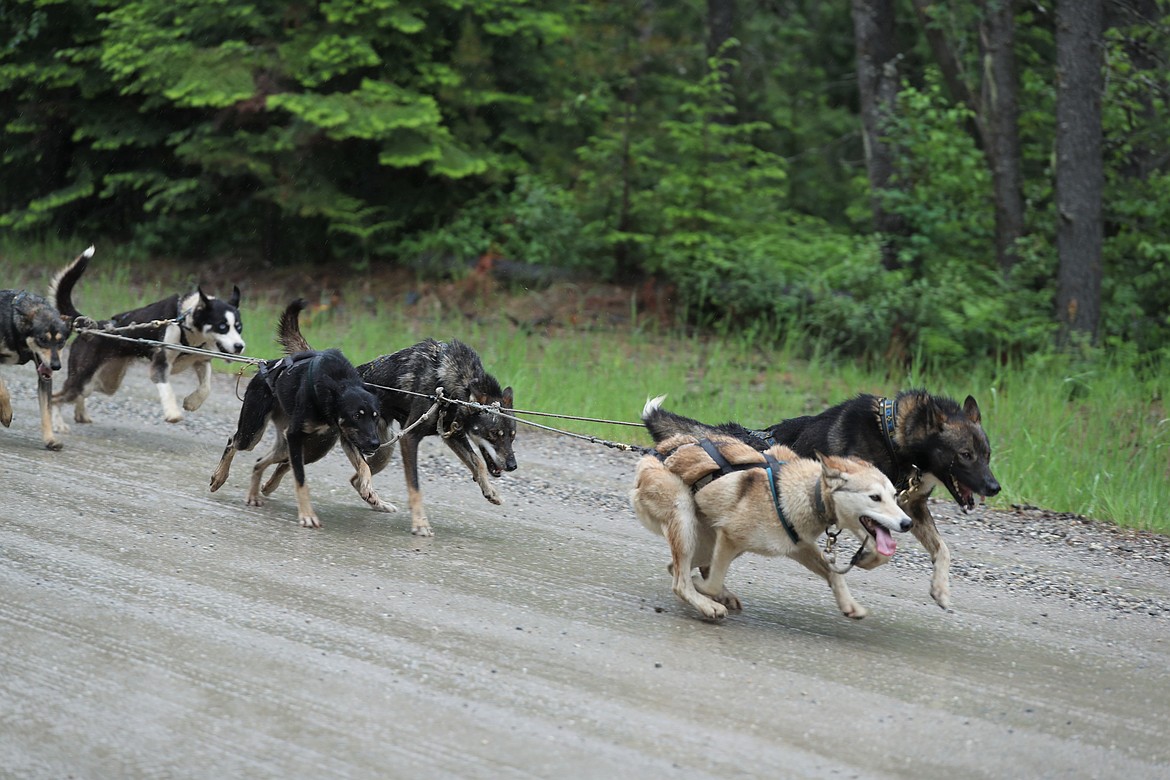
[(61, 288), (663, 424), (288, 333)]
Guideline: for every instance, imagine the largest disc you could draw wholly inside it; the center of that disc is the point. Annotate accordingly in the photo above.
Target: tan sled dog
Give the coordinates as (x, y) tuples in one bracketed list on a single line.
[(710, 516)]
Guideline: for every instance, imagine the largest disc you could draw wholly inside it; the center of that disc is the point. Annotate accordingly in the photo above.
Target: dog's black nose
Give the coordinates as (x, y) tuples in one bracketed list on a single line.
[(510, 464), (905, 525), (239, 348), (992, 487)]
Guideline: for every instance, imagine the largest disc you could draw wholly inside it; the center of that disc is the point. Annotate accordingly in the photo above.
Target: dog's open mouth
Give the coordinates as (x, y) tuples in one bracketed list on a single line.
[(883, 540), (43, 369), (493, 469), (964, 495)]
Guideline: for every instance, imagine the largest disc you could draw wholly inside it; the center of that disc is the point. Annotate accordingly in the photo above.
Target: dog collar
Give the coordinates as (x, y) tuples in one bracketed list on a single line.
[(888, 416)]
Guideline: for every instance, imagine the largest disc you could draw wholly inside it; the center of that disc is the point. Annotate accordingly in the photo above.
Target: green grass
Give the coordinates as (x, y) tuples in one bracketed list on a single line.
[(1084, 436)]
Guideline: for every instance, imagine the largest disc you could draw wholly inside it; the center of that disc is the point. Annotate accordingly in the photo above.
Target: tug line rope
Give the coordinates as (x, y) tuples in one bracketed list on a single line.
[(87, 325)]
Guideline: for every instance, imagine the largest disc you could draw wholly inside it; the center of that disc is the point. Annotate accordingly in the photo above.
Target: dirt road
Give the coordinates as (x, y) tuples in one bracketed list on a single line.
[(153, 629)]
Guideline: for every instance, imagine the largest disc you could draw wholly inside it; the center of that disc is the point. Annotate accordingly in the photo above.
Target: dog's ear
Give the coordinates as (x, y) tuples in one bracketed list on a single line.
[(203, 299), (235, 299), (936, 418), (971, 409), (830, 469), (507, 397)]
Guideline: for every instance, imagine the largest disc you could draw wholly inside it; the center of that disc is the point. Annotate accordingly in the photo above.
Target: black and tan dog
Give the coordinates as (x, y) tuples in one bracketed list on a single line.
[(99, 363), (482, 439), (918, 440), (310, 397), (35, 328)]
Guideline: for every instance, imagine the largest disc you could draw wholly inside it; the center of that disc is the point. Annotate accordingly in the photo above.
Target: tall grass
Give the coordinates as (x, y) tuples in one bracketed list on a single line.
[(1088, 436)]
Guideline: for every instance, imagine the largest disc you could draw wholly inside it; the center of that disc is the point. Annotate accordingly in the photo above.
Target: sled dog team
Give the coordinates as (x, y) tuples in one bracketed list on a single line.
[(713, 491)]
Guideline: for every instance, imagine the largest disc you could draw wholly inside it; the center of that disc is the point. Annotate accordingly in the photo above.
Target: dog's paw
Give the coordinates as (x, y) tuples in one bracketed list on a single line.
[(82, 418), (252, 499), (942, 597), (730, 600), (174, 418), (491, 495), (378, 505), (5, 412), (54, 445), (422, 530), (193, 402), (855, 611), (712, 610), (310, 521)]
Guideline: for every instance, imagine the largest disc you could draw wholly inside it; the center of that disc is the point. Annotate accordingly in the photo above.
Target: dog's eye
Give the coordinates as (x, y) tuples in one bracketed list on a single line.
[(221, 327), (239, 327), (875, 497), (966, 455)]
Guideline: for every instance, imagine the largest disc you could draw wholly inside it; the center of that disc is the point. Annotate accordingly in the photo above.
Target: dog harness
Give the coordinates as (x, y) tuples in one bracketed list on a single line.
[(770, 465)]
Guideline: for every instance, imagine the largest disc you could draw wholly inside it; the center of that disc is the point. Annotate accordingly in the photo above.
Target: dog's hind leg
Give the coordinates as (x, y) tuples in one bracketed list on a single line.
[(45, 402), (202, 370), (812, 559), (926, 532), (682, 531), (254, 416), (279, 455), (711, 583), (5, 405)]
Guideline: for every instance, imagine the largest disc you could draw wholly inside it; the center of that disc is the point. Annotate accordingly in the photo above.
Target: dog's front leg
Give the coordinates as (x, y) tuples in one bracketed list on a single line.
[(471, 458), (45, 401), (926, 532), (160, 371), (5, 405), (296, 457), (203, 389), (814, 560), (681, 529), (362, 480)]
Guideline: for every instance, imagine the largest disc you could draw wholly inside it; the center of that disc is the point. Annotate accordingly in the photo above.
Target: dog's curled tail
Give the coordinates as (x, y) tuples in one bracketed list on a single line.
[(288, 332), (61, 288), (652, 406)]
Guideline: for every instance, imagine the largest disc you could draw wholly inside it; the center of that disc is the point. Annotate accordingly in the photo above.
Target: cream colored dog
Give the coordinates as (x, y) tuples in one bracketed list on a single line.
[(709, 522)]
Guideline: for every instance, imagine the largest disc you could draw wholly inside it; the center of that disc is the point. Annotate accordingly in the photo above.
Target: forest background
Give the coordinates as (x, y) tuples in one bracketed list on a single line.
[(902, 182)]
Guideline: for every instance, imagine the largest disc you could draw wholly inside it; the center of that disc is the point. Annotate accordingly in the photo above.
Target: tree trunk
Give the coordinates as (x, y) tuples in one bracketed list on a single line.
[(1001, 125), (877, 84), (1079, 166)]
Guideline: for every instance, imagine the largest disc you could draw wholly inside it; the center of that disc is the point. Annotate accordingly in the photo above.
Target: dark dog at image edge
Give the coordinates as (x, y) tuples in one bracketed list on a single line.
[(199, 320), (481, 439), (710, 513), (36, 328), (308, 396), (913, 435)]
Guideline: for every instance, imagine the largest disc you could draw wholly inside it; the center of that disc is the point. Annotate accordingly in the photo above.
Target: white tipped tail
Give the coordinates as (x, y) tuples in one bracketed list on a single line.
[(88, 252), (652, 406)]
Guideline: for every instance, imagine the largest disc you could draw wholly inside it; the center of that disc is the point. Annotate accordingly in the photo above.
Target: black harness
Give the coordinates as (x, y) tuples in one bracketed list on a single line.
[(770, 465)]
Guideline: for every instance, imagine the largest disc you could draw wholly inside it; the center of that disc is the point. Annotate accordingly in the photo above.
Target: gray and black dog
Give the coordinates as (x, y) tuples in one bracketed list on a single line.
[(481, 438), (311, 397), (36, 328), (917, 439)]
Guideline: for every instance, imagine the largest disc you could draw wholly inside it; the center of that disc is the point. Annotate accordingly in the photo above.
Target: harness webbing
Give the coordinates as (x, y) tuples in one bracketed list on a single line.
[(770, 465), (888, 416)]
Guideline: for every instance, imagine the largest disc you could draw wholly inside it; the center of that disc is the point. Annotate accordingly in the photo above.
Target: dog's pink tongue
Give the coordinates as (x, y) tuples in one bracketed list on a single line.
[(885, 543)]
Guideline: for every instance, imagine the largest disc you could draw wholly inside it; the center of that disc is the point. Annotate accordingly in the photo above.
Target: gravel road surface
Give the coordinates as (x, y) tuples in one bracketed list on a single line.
[(153, 629)]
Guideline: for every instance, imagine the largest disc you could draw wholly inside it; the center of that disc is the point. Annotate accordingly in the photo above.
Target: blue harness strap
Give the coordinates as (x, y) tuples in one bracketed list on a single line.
[(770, 465)]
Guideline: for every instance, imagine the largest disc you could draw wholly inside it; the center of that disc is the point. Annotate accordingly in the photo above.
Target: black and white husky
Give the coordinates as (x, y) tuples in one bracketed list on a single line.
[(98, 362)]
